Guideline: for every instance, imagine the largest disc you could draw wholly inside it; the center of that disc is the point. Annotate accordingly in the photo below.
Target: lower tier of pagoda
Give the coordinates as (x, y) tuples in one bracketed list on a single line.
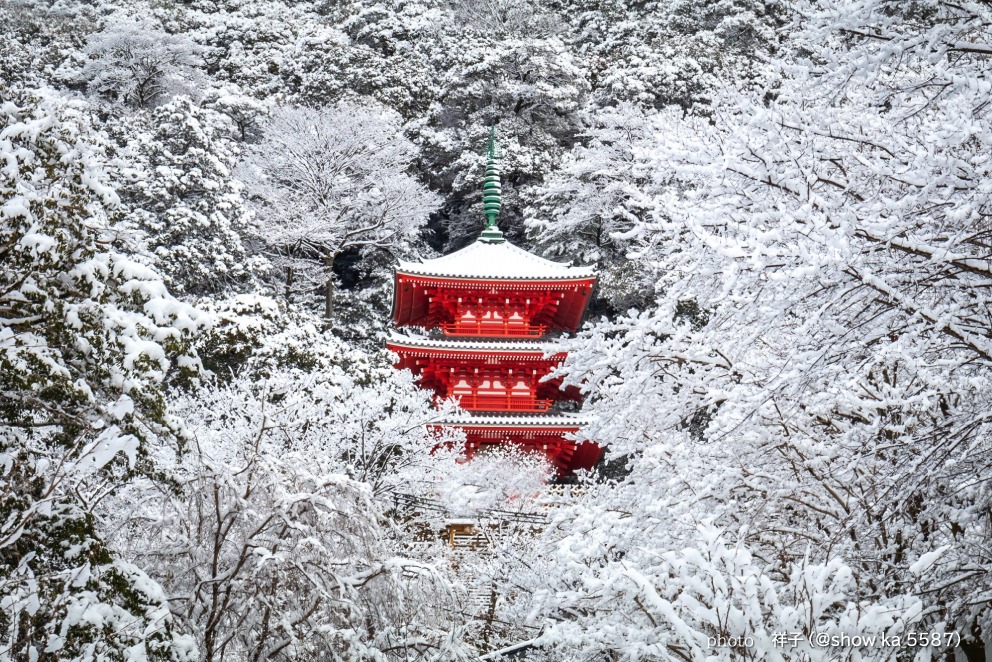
[(552, 436)]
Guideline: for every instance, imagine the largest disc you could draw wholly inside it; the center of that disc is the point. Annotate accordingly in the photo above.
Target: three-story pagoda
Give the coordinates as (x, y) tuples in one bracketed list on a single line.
[(492, 305)]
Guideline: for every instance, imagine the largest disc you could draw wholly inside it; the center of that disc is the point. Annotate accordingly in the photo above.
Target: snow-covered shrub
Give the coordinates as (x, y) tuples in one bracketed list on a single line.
[(501, 478), (271, 538)]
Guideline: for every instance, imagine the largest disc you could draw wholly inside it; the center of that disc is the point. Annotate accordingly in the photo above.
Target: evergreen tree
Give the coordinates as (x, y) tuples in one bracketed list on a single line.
[(176, 169), (88, 339)]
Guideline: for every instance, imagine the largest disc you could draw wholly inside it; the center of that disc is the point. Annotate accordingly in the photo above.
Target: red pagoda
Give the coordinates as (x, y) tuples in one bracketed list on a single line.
[(489, 307)]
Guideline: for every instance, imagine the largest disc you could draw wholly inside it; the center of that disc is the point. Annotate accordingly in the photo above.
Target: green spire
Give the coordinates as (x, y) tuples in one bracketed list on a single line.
[(491, 200)]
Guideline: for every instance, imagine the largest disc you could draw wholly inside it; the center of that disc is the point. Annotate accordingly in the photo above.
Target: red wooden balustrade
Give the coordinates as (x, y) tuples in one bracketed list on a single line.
[(502, 328), (496, 403)]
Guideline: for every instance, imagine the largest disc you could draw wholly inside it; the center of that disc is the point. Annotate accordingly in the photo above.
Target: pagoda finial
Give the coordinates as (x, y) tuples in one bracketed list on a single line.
[(491, 191)]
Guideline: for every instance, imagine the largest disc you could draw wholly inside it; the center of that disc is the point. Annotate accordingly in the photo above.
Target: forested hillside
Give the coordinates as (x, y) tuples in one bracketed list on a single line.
[(788, 354)]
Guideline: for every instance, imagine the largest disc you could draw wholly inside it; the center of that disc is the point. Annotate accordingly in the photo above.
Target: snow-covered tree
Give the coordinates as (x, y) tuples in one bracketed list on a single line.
[(613, 594), (176, 167), (508, 17), (88, 339), (251, 46), (531, 89), (273, 543), (39, 42), (140, 64), (812, 373), (331, 180), (453, 69), (247, 113), (330, 65), (585, 209), (673, 52)]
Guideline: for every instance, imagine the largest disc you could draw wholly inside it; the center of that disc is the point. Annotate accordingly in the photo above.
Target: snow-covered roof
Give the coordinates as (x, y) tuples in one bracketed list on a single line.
[(467, 418), (488, 345), (502, 261)]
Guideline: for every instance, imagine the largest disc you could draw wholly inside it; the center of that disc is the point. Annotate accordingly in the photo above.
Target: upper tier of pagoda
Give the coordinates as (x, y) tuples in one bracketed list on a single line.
[(491, 289)]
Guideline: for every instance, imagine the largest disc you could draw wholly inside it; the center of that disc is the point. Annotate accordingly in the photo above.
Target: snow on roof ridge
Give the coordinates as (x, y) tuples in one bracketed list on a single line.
[(517, 419), (488, 260), (506, 345)]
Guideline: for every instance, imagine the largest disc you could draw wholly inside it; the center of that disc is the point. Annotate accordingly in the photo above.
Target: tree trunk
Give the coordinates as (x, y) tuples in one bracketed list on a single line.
[(329, 291), (973, 647)]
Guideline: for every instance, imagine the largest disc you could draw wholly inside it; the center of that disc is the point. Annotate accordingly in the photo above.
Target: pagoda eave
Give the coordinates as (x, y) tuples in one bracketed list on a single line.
[(425, 351), (506, 282), (546, 423), (485, 376)]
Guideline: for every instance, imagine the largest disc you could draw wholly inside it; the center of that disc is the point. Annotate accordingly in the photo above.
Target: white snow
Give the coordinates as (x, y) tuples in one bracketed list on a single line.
[(561, 420), (484, 260), (497, 345), (923, 563)]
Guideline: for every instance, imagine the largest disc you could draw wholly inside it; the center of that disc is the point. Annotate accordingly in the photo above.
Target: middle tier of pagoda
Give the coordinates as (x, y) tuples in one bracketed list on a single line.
[(485, 375)]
